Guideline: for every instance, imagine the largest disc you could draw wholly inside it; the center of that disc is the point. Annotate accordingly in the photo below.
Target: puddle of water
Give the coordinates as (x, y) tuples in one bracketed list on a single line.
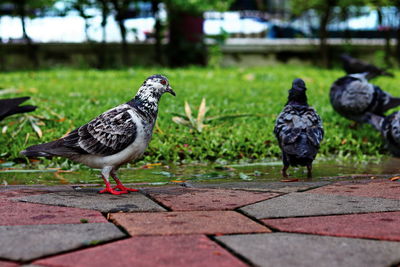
[(259, 172)]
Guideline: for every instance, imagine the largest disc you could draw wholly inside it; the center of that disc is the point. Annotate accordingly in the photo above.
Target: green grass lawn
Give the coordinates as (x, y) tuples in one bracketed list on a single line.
[(69, 98)]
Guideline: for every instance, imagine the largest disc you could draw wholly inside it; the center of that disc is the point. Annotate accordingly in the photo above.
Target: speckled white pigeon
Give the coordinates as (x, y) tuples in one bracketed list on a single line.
[(114, 138)]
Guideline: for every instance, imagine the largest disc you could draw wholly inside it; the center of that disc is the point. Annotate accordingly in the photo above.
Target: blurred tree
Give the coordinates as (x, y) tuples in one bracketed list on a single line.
[(185, 24), (105, 10), (158, 29), (325, 12), (25, 9), (81, 6), (28, 9), (121, 13), (386, 29), (397, 5)]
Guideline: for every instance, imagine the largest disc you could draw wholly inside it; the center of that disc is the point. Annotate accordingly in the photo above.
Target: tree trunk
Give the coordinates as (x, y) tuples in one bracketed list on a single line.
[(398, 45), (125, 56), (30, 48), (386, 34), (186, 45), (83, 15), (323, 33), (158, 53), (102, 52), (120, 17), (398, 36)]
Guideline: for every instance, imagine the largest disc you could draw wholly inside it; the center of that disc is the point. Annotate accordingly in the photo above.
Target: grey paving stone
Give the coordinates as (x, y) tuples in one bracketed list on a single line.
[(27, 242), (283, 249), (90, 199), (280, 187), (53, 188), (308, 204)]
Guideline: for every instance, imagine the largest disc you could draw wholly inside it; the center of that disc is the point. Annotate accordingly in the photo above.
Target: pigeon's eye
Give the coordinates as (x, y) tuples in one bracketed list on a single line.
[(163, 82)]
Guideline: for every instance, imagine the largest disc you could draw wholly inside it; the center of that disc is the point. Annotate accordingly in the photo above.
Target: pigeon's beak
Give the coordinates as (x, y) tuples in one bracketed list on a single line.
[(169, 90)]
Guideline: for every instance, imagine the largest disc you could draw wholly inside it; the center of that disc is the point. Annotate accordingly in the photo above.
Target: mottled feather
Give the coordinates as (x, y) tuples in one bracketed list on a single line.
[(355, 98), (108, 134)]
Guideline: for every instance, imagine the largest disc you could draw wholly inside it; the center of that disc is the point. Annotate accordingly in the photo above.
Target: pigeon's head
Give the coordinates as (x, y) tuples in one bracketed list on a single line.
[(299, 84), (156, 86), (297, 94)]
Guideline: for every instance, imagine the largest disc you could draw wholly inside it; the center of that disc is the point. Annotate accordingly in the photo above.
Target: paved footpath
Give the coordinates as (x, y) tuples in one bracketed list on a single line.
[(338, 223)]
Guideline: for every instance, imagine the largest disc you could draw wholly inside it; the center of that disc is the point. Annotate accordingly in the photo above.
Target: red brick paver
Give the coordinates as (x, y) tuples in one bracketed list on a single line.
[(191, 222), (21, 193), (19, 213), (384, 225), (382, 189), (8, 264), (189, 250), (184, 199)]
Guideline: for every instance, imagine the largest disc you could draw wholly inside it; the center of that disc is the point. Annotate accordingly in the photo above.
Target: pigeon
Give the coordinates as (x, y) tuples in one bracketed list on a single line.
[(114, 138), (354, 98), (352, 65), (389, 127), (12, 106), (299, 130)]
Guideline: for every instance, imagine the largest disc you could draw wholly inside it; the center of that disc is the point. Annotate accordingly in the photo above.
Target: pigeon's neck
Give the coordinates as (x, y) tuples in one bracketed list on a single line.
[(147, 107), (297, 97)]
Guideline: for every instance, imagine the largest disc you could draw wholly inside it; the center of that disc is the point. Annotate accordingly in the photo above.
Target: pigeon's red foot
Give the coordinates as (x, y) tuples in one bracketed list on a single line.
[(112, 191), (123, 188)]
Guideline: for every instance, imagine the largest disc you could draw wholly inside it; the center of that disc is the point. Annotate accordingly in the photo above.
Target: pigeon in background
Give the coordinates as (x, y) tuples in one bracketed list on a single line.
[(352, 65), (114, 138), (12, 106), (354, 98), (299, 130), (390, 129)]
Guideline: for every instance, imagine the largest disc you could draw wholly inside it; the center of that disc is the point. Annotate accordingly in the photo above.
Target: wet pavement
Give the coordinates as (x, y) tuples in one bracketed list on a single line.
[(325, 223)]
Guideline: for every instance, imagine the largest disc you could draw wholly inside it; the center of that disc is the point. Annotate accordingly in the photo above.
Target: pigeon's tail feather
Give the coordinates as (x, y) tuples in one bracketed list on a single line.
[(387, 73), (11, 106), (375, 121), (393, 102), (34, 154), (23, 109), (301, 152), (51, 149)]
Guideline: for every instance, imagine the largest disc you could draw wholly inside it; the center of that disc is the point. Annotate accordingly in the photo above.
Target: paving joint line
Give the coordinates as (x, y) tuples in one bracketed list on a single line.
[(156, 201), (83, 247), (328, 215), (252, 218), (231, 251)]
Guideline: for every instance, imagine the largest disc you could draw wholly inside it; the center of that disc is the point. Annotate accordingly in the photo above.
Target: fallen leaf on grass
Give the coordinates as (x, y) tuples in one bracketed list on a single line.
[(245, 177), (177, 181), (289, 180)]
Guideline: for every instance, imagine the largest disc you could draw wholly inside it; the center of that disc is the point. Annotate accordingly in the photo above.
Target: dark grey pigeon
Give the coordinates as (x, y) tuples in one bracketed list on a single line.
[(12, 106), (352, 65), (299, 130), (354, 98), (390, 129), (114, 138)]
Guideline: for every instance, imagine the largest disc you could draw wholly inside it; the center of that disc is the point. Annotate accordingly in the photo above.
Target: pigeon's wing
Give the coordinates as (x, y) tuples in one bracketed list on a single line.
[(315, 131), (391, 133), (291, 123), (108, 134), (285, 130)]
